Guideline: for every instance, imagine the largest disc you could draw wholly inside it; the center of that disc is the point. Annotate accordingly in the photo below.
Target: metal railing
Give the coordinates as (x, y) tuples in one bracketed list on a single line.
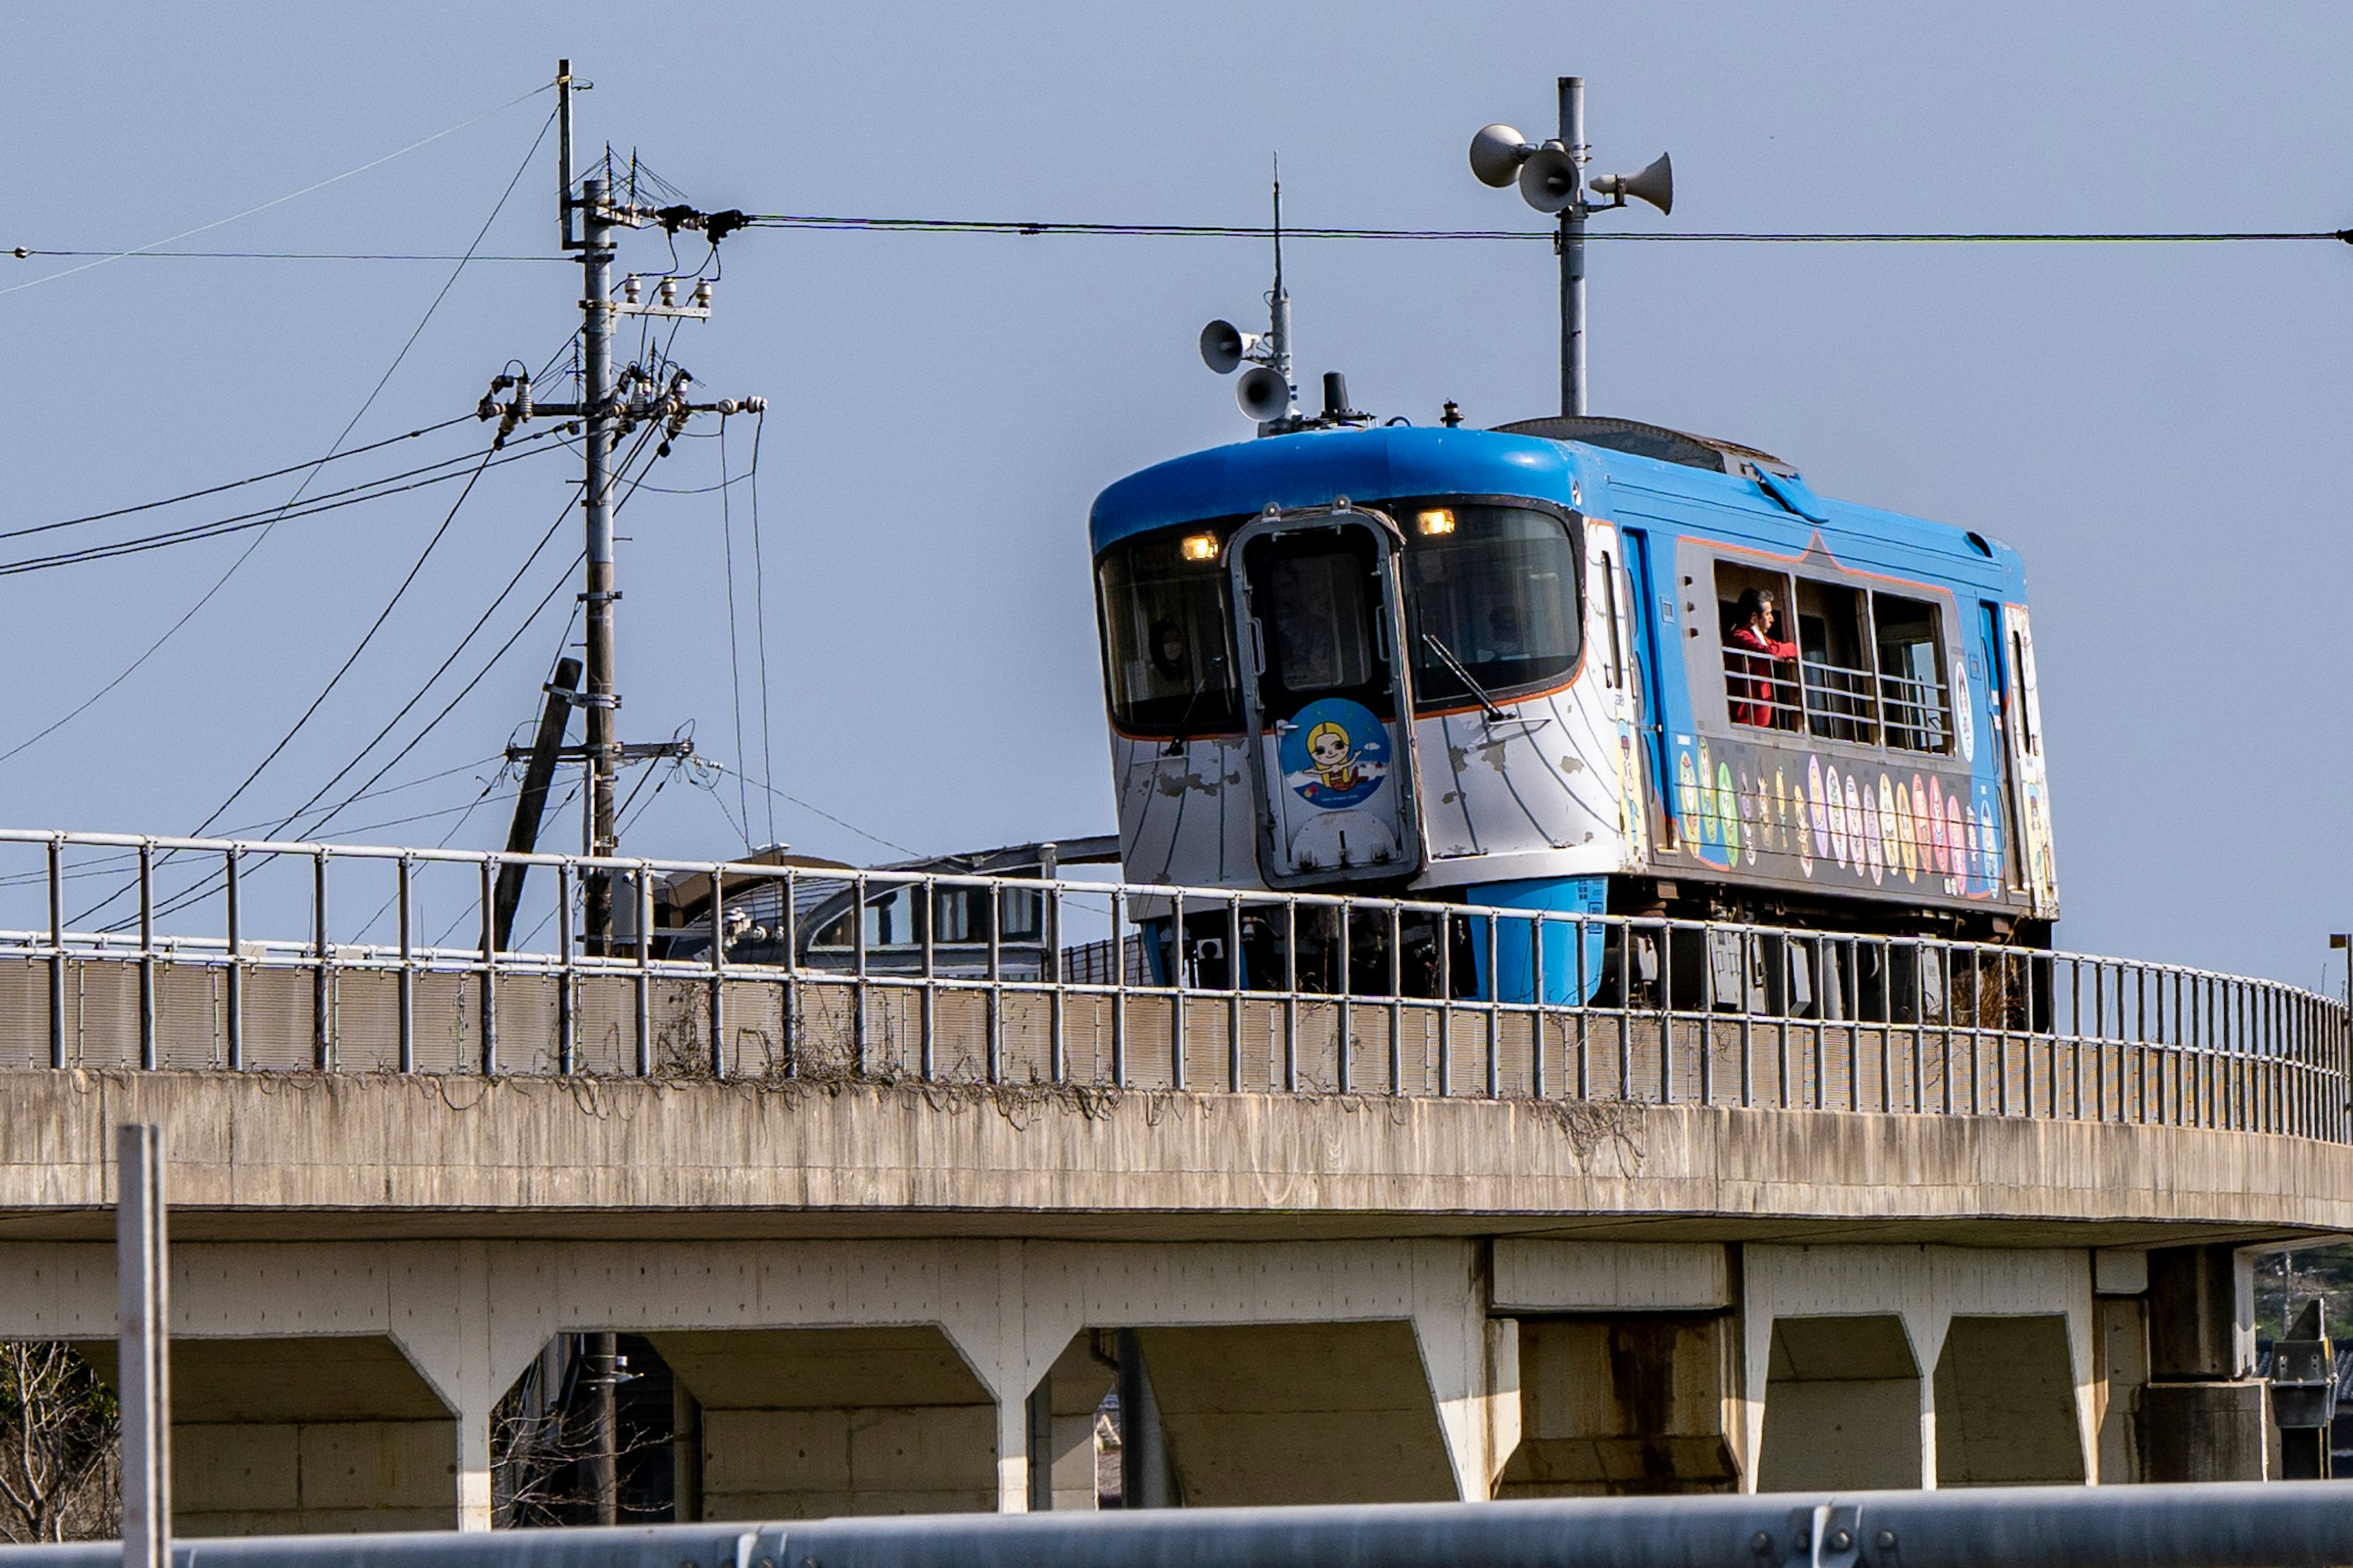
[(2193, 1525), (1261, 993), (1832, 702)]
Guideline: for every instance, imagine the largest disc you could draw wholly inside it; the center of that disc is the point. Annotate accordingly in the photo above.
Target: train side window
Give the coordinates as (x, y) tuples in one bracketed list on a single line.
[(1834, 668), (1916, 710), (1760, 678)]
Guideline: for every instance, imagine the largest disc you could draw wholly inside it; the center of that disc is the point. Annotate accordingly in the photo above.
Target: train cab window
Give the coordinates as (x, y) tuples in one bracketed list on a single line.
[(1320, 622), (1165, 639), (1835, 662), (1492, 591), (1916, 714), (1760, 670)]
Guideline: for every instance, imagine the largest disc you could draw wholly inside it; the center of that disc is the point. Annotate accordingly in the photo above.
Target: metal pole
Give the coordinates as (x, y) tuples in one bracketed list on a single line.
[(597, 356), (603, 1465), (1572, 253), (142, 1309), (58, 952)]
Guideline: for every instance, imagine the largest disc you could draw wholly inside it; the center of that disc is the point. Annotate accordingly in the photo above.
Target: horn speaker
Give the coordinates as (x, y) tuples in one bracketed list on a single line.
[(1263, 393), (1496, 154), (1223, 344), (1654, 185), (1548, 179)]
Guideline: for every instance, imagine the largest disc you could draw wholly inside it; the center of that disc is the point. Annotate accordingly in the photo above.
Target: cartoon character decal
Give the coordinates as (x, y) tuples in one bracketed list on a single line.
[(1335, 754)]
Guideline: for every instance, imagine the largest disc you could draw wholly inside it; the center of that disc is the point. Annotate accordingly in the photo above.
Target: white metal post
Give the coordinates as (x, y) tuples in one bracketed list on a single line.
[(142, 1309)]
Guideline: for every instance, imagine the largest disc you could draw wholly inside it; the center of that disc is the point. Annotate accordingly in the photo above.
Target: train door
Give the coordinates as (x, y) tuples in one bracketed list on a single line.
[(2023, 706), (1650, 707), (1326, 692)]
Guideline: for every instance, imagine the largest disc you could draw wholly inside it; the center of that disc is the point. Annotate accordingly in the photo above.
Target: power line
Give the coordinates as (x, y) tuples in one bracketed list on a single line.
[(23, 251), (210, 593), (716, 766), (194, 533), (360, 648), (438, 534), (1254, 231), (275, 201), (233, 484)]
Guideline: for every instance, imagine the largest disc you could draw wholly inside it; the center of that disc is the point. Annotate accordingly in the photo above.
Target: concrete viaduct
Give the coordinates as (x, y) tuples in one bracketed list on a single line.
[(1953, 1215), (890, 1298)]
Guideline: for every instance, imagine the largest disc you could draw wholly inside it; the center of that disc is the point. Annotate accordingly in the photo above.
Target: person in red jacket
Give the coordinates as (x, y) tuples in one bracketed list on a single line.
[(1760, 695)]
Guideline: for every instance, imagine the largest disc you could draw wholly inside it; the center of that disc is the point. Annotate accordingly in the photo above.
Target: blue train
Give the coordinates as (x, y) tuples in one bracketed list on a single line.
[(1571, 664)]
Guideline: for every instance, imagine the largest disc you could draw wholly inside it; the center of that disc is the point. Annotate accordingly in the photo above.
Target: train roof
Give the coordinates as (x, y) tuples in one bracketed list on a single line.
[(1643, 469)]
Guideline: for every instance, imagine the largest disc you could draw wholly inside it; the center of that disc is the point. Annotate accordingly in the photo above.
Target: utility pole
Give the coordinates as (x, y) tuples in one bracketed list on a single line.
[(1551, 178), (1571, 243), (608, 409)]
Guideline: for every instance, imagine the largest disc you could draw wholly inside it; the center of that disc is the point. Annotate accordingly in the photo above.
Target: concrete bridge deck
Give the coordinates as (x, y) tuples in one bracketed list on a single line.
[(311, 1156)]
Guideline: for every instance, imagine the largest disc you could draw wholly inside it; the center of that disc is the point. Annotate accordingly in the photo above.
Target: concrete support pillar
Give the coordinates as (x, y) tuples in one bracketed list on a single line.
[(1062, 1411), (442, 1313), (2202, 1416), (1623, 1406)]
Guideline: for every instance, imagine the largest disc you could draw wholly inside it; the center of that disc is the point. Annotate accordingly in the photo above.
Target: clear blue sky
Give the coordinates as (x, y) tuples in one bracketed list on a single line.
[(2160, 430)]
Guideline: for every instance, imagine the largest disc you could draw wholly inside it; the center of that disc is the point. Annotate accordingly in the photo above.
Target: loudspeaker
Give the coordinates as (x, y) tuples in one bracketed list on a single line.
[(1263, 393), (1548, 179), (1655, 184), (1223, 344), (1496, 154)]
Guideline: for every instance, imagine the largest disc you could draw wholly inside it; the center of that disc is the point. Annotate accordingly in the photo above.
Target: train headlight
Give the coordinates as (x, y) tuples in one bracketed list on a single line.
[(1204, 546), (1436, 519)]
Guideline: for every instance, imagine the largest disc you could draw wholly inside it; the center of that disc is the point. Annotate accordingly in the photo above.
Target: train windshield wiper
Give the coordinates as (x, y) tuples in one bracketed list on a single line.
[(1462, 673)]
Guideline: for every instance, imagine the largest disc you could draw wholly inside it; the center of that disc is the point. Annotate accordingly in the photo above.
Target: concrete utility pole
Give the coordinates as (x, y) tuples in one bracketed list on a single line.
[(609, 407)]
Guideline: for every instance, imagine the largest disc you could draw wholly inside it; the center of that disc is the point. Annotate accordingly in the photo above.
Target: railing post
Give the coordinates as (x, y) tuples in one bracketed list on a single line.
[(996, 985), (1494, 1008), (1396, 1000), (57, 1055), (322, 982), (1234, 985), (789, 927), (858, 969), (147, 957), (490, 951), (1706, 1010), (1347, 989), (1539, 995), (1445, 1004), (566, 1026), (927, 1011), (1291, 993), (403, 869), (1119, 987), (643, 980), (232, 887), (1177, 979), (718, 1041), (1057, 1051)]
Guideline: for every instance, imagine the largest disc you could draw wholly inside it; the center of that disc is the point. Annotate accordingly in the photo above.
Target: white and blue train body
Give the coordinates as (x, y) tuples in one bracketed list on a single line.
[(1499, 667)]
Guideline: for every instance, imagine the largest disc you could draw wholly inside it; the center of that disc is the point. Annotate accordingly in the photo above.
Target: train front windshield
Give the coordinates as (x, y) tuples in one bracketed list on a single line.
[(1492, 591)]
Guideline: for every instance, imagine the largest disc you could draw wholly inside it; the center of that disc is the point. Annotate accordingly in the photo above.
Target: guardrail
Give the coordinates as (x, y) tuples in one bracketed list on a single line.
[(2207, 1525), (1011, 980)]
